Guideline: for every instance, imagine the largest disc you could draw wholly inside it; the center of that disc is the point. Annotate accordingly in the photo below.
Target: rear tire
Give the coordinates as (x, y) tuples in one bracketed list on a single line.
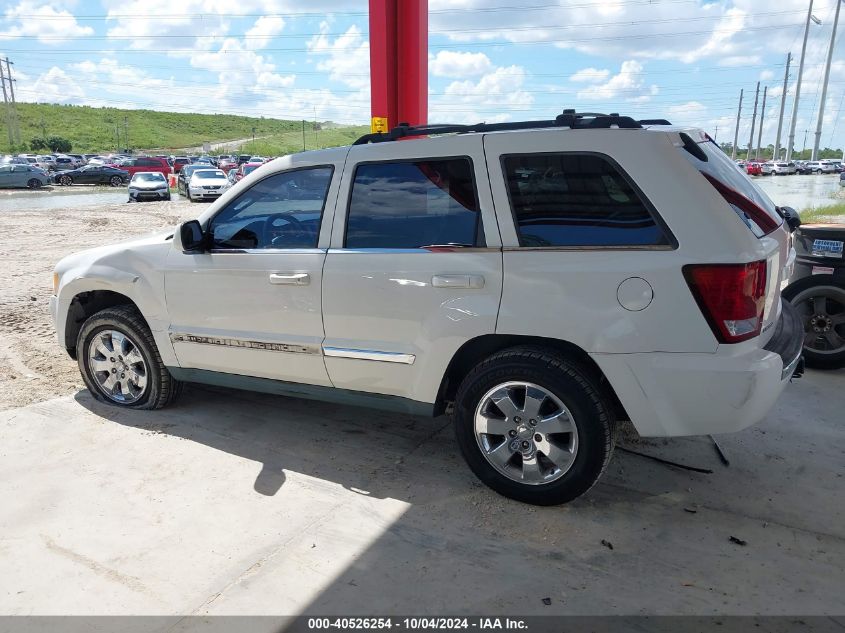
[(33, 183), (563, 447), (116, 181), (66, 181), (148, 384)]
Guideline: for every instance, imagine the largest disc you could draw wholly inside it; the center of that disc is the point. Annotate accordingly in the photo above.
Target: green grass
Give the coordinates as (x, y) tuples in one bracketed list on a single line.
[(831, 213), (94, 129)]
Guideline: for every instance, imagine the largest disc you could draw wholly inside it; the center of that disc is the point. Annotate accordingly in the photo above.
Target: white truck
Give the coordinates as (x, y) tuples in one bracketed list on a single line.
[(537, 281)]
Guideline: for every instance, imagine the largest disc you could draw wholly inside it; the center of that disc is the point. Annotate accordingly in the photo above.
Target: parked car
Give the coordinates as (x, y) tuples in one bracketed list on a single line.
[(143, 163), (17, 175), (46, 162), (835, 164), (207, 184), (227, 163), (842, 179), (65, 163), (245, 170), (537, 284), (184, 176), (148, 185), (243, 158), (93, 175), (178, 162), (753, 169), (783, 168), (821, 167)]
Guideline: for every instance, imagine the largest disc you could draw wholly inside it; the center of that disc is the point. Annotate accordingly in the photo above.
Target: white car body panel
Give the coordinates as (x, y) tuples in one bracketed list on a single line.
[(372, 320)]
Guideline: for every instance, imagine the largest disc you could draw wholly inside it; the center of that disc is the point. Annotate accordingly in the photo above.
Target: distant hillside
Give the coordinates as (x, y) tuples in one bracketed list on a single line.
[(96, 129)]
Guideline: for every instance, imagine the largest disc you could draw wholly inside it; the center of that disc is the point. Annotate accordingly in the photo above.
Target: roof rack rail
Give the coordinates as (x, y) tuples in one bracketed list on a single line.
[(569, 118), (653, 122)]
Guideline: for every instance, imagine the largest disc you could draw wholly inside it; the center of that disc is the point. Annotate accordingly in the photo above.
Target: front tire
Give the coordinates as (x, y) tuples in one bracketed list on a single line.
[(66, 181), (533, 426), (120, 362), (116, 181), (33, 183)]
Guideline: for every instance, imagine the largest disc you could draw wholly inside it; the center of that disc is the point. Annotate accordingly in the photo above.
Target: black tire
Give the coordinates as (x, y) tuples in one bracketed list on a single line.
[(161, 389), (116, 181), (168, 198), (591, 413), (66, 180), (33, 183), (797, 293)]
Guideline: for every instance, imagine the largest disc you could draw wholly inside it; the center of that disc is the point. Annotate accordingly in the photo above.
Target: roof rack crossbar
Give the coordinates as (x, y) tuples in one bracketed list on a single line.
[(569, 118)]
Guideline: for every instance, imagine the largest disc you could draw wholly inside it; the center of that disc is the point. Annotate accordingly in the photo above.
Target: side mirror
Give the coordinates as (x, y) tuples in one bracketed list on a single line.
[(192, 237), (793, 220)]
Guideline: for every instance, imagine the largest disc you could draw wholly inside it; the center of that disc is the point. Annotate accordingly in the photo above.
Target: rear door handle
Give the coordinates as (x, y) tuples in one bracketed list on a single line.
[(290, 279), (457, 281)]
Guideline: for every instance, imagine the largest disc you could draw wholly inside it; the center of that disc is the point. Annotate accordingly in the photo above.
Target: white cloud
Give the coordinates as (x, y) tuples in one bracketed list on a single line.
[(628, 84), (263, 31), (42, 21), (493, 97), (590, 75), (766, 75), (689, 110), (456, 64), (346, 59)]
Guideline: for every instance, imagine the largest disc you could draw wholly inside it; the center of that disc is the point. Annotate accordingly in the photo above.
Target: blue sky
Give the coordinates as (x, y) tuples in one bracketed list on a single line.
[(684, 60)]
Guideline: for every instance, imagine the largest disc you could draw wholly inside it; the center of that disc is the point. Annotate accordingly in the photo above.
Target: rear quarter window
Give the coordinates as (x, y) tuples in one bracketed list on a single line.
[(578, 200)]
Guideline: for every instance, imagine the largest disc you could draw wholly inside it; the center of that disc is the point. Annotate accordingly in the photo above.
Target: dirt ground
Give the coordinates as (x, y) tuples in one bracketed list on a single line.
[(32, 367)]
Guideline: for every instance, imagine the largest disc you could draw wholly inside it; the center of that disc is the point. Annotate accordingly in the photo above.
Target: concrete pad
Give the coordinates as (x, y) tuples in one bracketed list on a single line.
[(235, 503)]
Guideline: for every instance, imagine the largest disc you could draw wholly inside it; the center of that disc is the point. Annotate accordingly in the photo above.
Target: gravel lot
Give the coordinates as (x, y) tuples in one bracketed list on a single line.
[(36, 237)]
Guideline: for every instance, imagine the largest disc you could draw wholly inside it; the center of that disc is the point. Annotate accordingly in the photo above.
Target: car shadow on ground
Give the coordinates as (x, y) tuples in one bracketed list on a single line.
[(649, 538)]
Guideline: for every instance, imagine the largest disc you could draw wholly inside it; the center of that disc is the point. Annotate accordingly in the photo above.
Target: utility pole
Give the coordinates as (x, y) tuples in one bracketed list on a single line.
[(798, 84), (762, 116), (43, 128), (16, 127), (126, 132), (753, 120), (804, 149), (252, 149), (715, 133), (6, 104), (736, 130), (782, 105), (303, 135), (824, 84)]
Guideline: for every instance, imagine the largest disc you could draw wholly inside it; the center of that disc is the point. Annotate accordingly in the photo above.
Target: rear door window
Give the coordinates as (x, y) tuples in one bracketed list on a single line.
[(414, 204), (577, 200)]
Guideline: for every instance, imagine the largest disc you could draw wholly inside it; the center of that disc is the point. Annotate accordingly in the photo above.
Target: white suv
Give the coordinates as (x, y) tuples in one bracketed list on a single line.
[(538, 281)]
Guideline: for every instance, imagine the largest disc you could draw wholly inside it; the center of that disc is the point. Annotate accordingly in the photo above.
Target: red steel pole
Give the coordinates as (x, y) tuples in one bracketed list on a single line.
[(398, 63)]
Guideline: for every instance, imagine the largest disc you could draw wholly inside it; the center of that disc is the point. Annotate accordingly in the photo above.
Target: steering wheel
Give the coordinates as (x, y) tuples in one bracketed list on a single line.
[(273, 233)]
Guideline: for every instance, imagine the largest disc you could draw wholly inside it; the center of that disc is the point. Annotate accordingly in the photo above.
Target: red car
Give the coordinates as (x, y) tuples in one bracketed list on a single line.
[(753, 169), (179, 162), (246, 169), (143, 163)]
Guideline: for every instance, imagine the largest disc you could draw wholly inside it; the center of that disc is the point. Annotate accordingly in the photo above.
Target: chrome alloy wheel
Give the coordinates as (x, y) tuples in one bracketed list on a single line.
[(117, 366), (526, 433)]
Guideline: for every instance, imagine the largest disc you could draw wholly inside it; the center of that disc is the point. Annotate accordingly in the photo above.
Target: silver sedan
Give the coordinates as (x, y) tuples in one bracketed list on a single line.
[(23, 176)]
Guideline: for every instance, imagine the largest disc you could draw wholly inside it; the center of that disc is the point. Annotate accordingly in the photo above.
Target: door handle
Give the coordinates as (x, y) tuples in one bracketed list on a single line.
[(290, 279), (457, 281)]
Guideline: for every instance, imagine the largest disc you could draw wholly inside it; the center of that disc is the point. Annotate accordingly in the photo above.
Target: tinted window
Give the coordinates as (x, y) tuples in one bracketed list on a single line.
[(576, 200), (413, 204), (282, 211), (147, 162)]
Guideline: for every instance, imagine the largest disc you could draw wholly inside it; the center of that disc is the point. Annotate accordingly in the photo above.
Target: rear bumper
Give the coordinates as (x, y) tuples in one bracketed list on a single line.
[(675, 394)]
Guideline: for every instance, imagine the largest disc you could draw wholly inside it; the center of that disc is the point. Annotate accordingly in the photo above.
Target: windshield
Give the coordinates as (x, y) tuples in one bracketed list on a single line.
[(249, 169), (148, 177), (210, 173)]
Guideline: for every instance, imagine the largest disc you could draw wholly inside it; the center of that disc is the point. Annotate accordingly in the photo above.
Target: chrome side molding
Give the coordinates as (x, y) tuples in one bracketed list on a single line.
[(369, 354)]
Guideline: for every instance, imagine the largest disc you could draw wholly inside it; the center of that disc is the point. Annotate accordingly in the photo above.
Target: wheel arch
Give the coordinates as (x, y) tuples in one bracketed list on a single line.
[(86, 304), (477, 349)]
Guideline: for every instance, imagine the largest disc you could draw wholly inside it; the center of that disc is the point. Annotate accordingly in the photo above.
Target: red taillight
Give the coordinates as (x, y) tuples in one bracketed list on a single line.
[(731, 297), (742, 204)]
